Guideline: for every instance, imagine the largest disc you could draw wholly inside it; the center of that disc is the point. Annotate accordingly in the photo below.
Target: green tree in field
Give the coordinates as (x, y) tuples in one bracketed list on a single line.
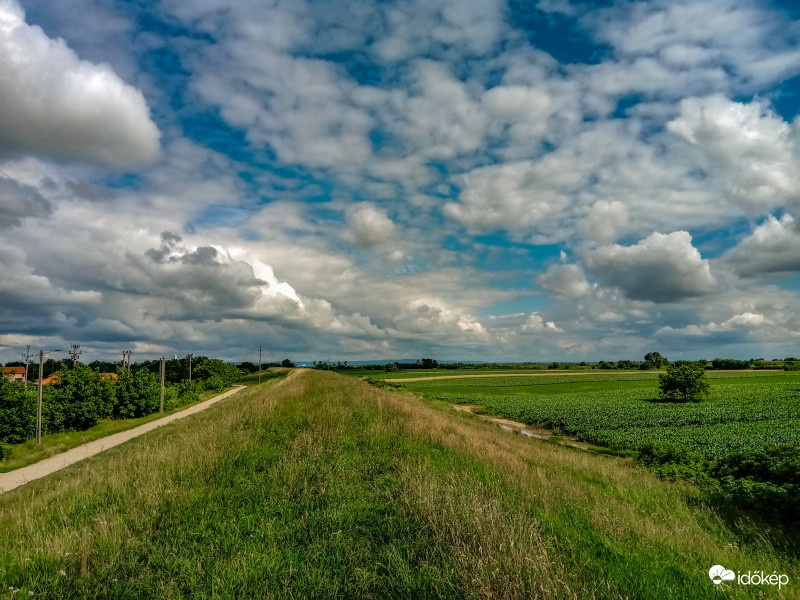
[(683, 383), (654, 360)]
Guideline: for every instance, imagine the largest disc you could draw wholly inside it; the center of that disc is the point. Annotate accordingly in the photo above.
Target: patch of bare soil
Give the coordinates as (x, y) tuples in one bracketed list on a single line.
[(526, 430)]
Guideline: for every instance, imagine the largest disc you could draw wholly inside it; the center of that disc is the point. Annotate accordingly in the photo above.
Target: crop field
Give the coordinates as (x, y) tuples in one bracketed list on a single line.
[(746, 411)]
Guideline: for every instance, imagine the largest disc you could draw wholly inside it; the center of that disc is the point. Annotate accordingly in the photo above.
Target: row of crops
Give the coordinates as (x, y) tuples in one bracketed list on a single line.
[(736, 418), (577, 379)]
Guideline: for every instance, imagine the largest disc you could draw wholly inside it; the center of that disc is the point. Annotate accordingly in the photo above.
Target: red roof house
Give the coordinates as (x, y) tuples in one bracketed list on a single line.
[(15, 373)]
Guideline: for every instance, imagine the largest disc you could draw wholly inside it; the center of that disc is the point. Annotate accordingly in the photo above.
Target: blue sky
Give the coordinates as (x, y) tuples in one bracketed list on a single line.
[(363, 179)]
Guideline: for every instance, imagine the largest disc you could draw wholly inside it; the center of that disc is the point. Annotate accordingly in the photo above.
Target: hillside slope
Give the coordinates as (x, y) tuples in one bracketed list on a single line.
[(321, 486)]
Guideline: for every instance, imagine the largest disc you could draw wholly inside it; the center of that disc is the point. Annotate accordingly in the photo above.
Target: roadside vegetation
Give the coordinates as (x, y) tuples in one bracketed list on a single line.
[(28, 452), (320, 486), (82, 404)]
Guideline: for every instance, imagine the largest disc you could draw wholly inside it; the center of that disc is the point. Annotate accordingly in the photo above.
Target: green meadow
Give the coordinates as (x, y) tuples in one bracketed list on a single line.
[(317, 485)]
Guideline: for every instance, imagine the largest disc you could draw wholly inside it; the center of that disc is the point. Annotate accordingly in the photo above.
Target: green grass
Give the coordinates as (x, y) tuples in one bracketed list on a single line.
[(28, 452), (320, 486), (266, 375)]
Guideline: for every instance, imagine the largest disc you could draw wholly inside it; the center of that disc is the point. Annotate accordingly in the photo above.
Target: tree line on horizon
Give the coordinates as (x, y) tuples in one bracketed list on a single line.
[(652, 360)]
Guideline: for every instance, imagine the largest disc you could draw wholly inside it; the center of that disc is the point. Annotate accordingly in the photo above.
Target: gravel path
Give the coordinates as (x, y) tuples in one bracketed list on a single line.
[(18, 477)]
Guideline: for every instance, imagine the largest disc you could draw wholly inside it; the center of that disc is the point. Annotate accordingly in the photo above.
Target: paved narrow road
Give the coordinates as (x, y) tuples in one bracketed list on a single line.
[(18, 477)]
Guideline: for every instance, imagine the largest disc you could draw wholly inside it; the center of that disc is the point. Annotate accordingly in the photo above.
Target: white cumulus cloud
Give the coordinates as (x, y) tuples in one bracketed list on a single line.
[(369, 225), (744, 321), (773, 247), (660, 268), (52, 103), (751, 150), (565, 280)]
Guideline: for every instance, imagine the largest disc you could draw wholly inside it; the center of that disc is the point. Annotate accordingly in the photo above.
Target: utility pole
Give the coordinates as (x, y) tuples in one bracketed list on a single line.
[(27, 356), (39, 403), (190, 369), (126, 359), (259, 364), (75, 353), (163, 368)]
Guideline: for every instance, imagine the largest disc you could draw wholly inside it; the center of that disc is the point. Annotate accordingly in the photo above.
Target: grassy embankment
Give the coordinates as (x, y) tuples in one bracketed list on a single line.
[(322, 486)]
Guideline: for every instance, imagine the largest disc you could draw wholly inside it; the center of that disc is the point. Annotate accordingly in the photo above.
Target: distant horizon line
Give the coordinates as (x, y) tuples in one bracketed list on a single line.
[(385, 361)]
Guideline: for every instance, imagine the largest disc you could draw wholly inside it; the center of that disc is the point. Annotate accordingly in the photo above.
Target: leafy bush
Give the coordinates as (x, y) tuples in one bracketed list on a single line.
[(17, 411), (170, 398), (683, 383), (78, 399), (188, 392), (674, 462), (766, 482), (216, 374), (137, 394), (5, 452)]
